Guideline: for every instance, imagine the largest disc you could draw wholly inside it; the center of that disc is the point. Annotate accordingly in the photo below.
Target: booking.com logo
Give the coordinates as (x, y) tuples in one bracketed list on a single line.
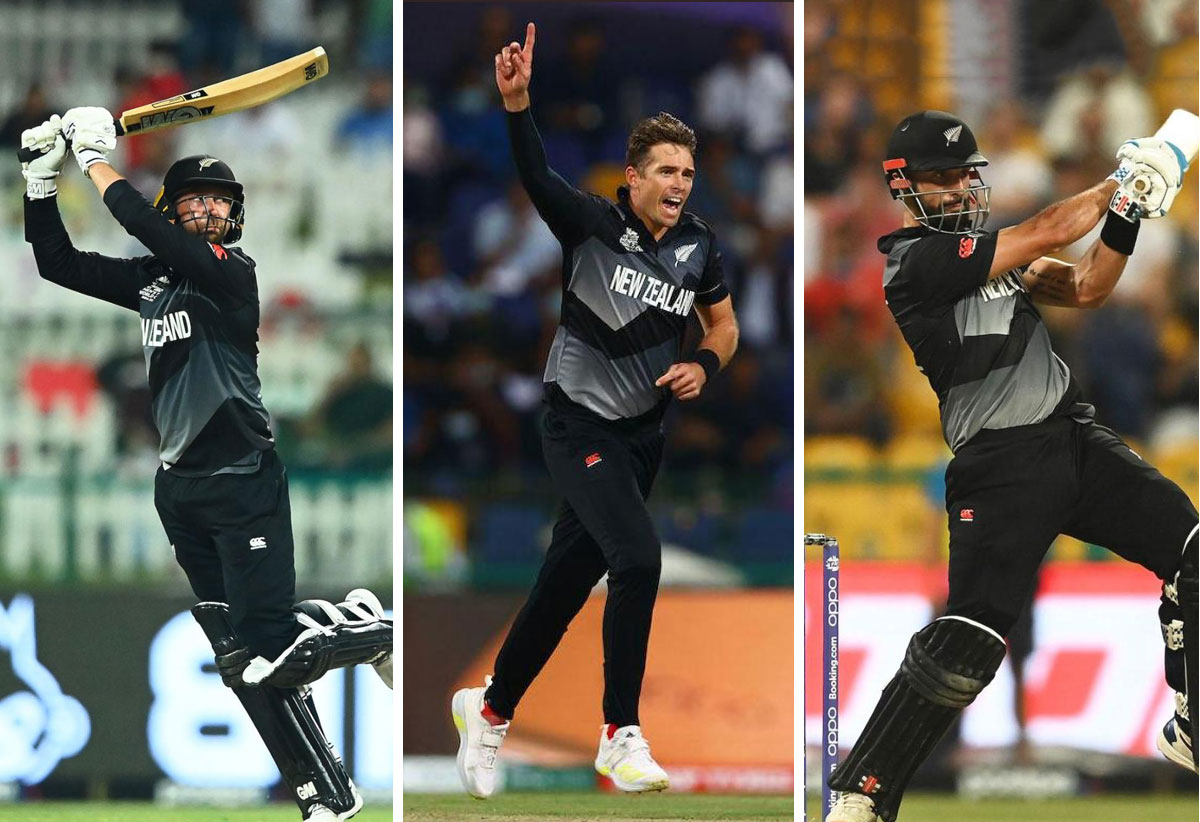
[(41, 726)]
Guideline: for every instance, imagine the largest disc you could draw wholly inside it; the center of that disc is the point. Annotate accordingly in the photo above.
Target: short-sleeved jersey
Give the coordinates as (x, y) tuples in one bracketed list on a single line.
[(626, 297), (199, 315), (981, 343)]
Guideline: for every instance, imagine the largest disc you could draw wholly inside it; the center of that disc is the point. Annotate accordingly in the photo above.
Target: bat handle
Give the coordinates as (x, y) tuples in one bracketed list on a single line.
[(119, 128)]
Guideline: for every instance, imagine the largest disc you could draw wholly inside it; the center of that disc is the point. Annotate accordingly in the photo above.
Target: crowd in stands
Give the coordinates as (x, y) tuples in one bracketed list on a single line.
[(1052, 135), (482, 282), (325, 339)]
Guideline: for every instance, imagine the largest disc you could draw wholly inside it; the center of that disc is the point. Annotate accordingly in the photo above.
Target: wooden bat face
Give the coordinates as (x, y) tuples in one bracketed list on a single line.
[(227, 96)]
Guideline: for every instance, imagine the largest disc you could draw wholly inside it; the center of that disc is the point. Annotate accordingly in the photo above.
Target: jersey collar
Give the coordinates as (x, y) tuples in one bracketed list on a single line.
[(635, 222)]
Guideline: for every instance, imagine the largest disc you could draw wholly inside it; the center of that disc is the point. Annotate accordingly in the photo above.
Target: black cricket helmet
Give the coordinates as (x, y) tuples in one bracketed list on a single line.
[(936, 141), (201, 170)]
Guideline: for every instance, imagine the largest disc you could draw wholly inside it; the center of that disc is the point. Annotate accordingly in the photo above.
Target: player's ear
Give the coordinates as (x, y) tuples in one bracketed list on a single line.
[(631, 174)]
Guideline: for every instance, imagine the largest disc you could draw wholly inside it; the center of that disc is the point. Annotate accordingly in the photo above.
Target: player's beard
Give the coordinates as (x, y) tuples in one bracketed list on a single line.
[(957, 221), (211, 227)]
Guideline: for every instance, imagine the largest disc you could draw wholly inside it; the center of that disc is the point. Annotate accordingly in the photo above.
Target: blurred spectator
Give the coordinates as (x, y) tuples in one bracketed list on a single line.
[(354, 419), (282, 28), (33, 110), (122, 378), (1020, 177), (215, 33), (749, 95), (726, 185), (742, 422), (513, 247), (581, 98), (474, 125), (435, 302), (372, 36), (423, 155), (245, 137), (369, 125), (158, 79), (836, 114), (845, 381), (1095, 110)]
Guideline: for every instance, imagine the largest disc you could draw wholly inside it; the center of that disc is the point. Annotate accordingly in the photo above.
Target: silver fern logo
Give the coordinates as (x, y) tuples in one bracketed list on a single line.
[(952, 134), (683, 252)]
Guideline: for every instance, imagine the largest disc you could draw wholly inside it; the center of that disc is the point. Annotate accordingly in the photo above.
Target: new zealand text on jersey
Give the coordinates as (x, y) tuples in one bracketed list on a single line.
[(159, 331), (652, 291)]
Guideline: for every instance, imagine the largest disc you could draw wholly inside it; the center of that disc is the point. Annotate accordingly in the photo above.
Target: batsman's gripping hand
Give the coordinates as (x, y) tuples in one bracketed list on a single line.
[(92, 134), (685, 379), (50, 149), (1150, 174)]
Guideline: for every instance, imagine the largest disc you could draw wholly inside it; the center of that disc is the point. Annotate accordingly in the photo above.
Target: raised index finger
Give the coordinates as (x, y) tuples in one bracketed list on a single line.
[(530, 37)]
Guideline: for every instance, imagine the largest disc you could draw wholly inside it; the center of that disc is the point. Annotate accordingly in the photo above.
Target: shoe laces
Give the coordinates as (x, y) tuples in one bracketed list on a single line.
[(635, 745)]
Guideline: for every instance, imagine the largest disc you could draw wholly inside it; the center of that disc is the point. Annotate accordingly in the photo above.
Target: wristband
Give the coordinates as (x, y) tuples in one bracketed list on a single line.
[(707, 359), (1119, 233), (40, 188)]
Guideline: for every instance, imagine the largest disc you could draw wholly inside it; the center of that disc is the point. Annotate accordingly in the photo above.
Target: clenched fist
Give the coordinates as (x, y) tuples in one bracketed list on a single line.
[(92, 134), (40, 173)]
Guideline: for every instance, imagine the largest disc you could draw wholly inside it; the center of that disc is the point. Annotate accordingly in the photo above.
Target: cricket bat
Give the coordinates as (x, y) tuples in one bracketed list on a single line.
[(1181, 130), (238, 93)]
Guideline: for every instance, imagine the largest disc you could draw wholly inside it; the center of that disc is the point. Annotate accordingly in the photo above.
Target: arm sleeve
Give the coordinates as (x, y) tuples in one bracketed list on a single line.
[(210, 267), (106, 278), (568, 211), (944, 267), (712, 287)]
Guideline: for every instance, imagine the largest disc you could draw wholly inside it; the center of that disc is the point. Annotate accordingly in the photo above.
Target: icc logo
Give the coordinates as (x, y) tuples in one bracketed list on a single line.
[(41, 725), (831, 564)]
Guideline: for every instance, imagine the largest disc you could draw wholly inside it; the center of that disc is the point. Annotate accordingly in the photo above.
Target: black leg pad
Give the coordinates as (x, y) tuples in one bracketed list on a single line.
[(1187, 589), (947, 664), (332, 636), (286, 719)]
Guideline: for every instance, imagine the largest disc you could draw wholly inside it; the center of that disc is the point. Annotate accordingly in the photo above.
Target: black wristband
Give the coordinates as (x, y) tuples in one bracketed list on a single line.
[(707, 359), (1119, 234)]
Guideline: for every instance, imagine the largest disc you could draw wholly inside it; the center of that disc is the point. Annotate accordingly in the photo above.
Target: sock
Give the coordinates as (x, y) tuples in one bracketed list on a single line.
[(491, 716)]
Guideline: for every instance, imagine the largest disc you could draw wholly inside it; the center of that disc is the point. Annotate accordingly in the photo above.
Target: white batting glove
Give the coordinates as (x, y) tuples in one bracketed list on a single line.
[(1150, 174), (92, 135), (43, 152)]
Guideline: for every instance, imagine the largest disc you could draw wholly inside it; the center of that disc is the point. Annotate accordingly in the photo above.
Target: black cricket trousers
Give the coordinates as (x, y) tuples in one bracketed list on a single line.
[(232, 535), (605, 471), (1010, 492)]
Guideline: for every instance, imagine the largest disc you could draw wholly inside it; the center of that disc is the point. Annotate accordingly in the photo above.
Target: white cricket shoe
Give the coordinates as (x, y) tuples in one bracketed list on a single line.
[(624, 757), (320, 813), (1175, 745), (361, 599), (478, 741), (852, 807)]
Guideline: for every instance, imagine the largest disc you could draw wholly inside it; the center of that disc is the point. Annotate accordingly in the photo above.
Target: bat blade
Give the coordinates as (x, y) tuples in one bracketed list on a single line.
[(226, 97), (1182, 130)]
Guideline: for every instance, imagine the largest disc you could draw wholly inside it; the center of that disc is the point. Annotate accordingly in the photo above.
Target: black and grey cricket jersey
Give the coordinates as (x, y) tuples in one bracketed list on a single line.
[(981, 343), (199, 310), (626, 297)]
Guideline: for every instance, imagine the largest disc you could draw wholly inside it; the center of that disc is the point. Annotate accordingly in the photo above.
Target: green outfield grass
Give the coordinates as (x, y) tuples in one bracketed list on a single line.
[(947, 808), (148, 812), (582, 807)]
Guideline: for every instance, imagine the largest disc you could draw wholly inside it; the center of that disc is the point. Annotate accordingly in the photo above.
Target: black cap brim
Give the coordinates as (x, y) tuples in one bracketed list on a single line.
[(975, 158)]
